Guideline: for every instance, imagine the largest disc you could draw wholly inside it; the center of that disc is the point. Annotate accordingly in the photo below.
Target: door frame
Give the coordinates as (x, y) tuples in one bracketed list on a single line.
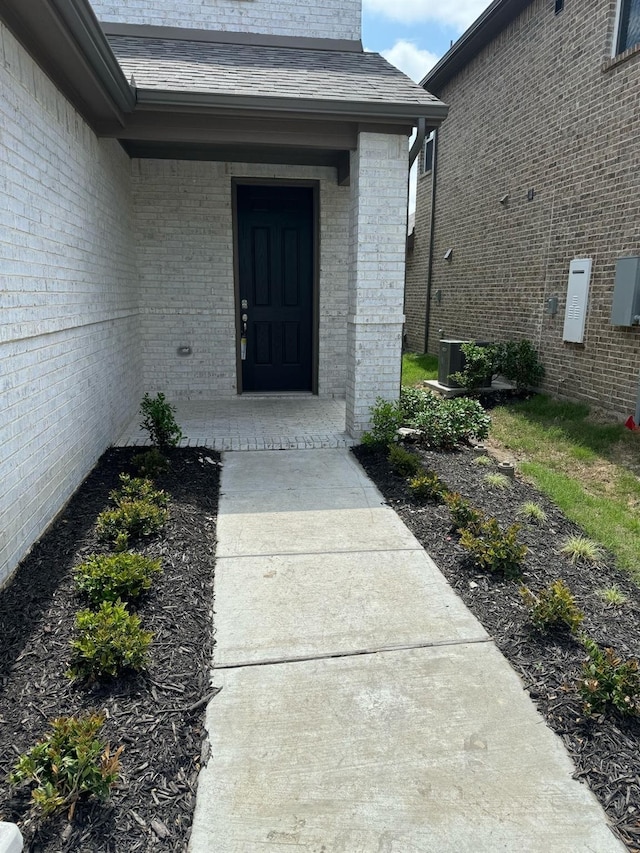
[(315, 299)]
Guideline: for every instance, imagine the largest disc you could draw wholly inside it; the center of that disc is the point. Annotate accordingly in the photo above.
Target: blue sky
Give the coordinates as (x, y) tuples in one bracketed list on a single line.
[(414, 34)]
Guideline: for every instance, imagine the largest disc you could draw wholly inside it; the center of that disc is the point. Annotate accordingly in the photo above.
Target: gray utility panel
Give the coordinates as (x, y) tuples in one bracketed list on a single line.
[(625, 310)]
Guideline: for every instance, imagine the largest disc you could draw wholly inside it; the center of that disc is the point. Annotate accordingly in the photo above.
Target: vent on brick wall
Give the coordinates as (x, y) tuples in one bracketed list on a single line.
[(577, 297), (559, 6)]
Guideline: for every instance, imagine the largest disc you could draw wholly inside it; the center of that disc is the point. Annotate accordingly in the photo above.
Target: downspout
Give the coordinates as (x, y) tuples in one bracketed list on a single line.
[(432, 231), (418, 141)]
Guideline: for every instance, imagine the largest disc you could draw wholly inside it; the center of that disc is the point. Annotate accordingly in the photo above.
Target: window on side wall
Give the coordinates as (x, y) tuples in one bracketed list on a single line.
[(628, 34), (427, 154)]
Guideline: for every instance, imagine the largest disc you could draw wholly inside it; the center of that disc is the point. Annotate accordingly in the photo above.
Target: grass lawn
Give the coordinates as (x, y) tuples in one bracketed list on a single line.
[(589, 469), (416, 367)]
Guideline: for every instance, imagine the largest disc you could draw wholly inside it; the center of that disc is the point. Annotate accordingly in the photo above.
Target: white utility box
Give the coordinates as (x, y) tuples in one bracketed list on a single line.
[(577, 298)]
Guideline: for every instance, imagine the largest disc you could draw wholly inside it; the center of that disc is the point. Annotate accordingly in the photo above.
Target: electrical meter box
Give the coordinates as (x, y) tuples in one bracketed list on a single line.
[(625, 310)]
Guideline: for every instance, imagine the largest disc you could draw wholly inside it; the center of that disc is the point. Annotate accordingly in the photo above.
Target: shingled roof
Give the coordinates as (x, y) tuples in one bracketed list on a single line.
[(181, 66)]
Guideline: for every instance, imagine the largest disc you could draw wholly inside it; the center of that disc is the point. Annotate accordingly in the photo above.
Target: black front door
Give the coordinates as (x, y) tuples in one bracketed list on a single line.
[(275, 268)]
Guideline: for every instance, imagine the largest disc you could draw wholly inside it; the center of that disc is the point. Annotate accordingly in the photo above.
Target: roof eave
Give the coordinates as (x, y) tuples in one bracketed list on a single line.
[(434, 112), (66, 40), (483, 30)]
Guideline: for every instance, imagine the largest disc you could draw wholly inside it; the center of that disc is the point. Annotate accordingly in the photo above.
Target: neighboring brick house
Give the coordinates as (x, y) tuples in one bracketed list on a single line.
[(537, 164), (159, 171)]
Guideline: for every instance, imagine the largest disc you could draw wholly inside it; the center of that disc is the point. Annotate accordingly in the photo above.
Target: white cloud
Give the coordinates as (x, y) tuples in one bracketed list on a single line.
[(411, 59), (455, 13)]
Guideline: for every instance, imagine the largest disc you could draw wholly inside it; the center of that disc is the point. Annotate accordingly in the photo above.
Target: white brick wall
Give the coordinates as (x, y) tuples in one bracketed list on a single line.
[(184, 239), (377, 229), (69, 367), (339, 19)]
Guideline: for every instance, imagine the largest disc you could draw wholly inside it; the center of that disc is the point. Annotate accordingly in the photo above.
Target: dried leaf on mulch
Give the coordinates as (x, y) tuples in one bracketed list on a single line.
[(605, 750), (158, 716)]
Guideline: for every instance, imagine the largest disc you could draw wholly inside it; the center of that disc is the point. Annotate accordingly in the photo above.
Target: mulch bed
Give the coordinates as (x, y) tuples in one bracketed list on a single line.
[(605, 750), (158, 716)]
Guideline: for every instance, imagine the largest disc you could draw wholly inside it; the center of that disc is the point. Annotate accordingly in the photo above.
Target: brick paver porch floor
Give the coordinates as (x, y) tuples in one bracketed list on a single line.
[(255, 423)]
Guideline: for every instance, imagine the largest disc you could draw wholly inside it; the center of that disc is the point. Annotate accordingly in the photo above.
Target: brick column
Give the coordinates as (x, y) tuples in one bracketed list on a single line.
[(377, 240)]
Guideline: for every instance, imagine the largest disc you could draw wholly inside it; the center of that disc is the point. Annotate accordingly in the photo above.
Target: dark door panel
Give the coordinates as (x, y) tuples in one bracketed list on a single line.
[(275, 264)]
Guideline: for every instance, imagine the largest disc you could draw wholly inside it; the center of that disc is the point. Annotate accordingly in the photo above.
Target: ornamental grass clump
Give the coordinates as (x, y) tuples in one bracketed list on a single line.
[(609, 682), (497, 481), (108, 642), (403, 461), (580, 549), (109, 577), (493, 549), (532, 512), (427, 487), (70, 763), (553, 607)]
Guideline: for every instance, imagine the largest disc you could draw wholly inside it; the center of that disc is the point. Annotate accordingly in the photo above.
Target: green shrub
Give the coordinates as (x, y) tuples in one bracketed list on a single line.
[(553, 606), (463, 515), (137, 489), (495, 550), (403, 461), (518, 361), (108, 577), (386, 419), (446, 423), (159, 421), (608, 681), (130, 520), (413, 400), (428, 487), (69, 763), (478, 366), (108, 641), (150, 464)]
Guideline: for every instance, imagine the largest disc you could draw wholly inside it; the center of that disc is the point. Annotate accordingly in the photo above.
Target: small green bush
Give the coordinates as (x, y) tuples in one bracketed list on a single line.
[(108, 577), (69, 763), (609, 681), (428, 487), (386, 419), (159, 421), (108, 641), (463, 515), (403, 461), (553, 606), (150, 464), (518, 361), (414, 400), (137, 489), (478, 366), (130, 520), (495, 550), (446, 423)]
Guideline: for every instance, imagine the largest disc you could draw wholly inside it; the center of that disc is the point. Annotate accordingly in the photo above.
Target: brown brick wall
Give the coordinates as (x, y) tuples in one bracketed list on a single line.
[(542, 108)]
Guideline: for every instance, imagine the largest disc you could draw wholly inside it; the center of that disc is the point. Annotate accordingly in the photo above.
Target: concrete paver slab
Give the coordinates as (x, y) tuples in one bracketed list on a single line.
[(274, 470), (420, 751), (369, 528), (275, 607)]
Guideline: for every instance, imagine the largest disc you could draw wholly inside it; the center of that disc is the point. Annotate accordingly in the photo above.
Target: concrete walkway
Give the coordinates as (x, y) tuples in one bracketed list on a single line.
[(364, 709)]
